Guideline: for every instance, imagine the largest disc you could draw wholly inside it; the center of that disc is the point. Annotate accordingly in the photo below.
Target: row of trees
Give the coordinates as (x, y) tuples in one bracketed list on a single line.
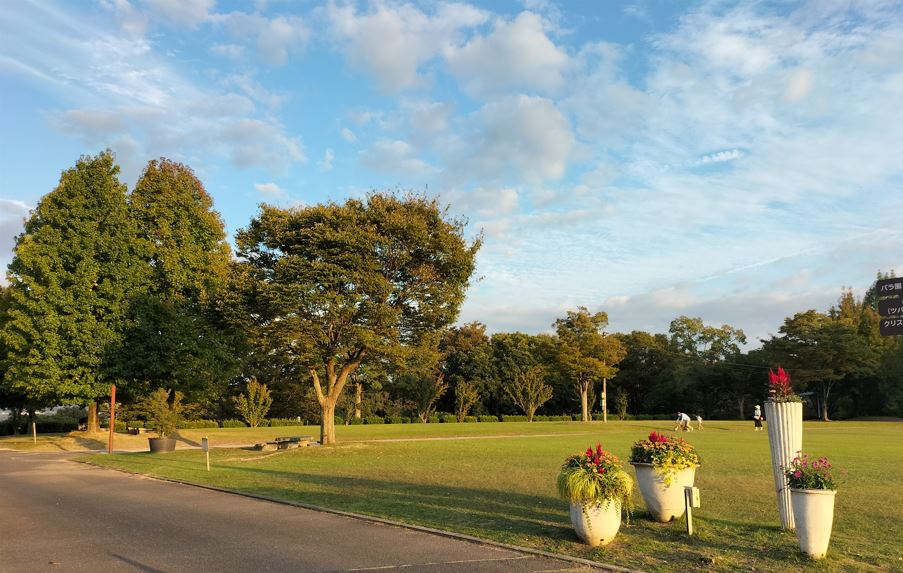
[(139, 289)]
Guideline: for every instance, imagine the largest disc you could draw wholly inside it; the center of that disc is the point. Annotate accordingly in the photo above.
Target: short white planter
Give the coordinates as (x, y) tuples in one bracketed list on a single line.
[(785, 439), (813, 512), (596, 523), (664, 502)]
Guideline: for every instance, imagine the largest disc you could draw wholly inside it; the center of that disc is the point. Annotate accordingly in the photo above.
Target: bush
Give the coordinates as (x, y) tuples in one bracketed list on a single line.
[(51, 426), (197, 424), (233, 424), (598, 417), (540, 418), (433, 419), (119, 426), (448, 419), (485, 418), (408, 420), (356, 422), (397, 420), (338, 420), (470, 419), (280, 422), (564, 418), (514, 418), (374, 420)]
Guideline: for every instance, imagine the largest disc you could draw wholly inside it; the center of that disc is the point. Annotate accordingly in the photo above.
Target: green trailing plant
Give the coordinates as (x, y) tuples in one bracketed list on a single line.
[(668, 455), (254, 404), (806, 473), (596, 477)]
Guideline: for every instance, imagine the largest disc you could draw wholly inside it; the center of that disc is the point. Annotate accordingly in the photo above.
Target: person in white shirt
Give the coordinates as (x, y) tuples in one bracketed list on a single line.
[(698, 422), (757, 418), (683, 422)]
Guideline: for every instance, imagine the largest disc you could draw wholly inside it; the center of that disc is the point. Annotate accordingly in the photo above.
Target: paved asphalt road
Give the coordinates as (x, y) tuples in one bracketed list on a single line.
[(61, 516)]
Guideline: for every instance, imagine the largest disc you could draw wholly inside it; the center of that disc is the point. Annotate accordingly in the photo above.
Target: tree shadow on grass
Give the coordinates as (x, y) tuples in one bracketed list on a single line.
[(500, 513), (89, 443)]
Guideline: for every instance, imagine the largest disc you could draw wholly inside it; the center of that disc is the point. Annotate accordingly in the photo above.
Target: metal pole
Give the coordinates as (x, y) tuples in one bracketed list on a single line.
[(34, 432), (604, 400), (112, 417)]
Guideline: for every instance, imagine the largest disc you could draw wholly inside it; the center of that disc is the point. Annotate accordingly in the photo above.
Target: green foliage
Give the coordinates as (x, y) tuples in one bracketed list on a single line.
[(466, 395), (529, 391), (668, 455), (333, 284), (621, 401), (806, 473), (487, 418), (280, 422), (595, 476), (507, 418), (163, 409), (197, 424), (374, 420), (75, 268), (233, 424), (254, 404)]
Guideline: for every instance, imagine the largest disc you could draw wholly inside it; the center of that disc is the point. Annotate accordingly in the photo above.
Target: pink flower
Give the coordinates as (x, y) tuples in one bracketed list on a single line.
[(797, 474)]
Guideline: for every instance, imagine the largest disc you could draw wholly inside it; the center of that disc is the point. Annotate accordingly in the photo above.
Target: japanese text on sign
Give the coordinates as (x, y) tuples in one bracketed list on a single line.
[(889, 286)]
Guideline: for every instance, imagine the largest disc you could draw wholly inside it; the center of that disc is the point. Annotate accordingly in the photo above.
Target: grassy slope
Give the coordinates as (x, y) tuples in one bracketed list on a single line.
[(503, 488)]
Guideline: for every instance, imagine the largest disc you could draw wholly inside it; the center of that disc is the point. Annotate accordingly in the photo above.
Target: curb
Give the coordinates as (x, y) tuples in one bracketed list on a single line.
[(382, 521)]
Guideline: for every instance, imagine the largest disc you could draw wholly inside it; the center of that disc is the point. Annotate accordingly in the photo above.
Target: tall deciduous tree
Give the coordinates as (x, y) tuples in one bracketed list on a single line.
[(334, 284), (586, 353), (74, 270), (467, 359), (176, 340), (528, 390)]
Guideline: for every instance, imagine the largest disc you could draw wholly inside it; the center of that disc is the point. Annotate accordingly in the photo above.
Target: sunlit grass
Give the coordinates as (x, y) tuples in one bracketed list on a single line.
[(503, 488)]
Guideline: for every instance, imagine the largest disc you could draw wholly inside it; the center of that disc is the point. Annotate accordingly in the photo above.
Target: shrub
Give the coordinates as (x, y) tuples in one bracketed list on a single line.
[(356, 422), (374, 420), (514, 418), (254, 405), (119, 426), (486, 418), (339, 420), (470, 419), (51, 426), (448, 418), (433, 419), (197, 424), (540, 418), (233, 424), (394, 420), (560, 418), (279, 422)]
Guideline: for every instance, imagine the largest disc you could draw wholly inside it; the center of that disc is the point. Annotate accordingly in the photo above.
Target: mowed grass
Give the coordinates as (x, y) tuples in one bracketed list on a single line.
[(497, 481)]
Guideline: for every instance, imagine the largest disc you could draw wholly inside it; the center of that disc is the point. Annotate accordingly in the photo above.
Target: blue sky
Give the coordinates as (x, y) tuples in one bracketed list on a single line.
[(738, 161)]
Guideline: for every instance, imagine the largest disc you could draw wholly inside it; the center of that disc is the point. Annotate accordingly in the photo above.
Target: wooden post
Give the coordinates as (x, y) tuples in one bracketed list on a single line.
[(205, 445), (691, 500), (34, 431), (112, 417), (604, 400)]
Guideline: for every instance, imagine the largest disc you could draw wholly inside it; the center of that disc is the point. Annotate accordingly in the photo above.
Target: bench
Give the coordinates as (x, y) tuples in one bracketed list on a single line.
[(285, 443)]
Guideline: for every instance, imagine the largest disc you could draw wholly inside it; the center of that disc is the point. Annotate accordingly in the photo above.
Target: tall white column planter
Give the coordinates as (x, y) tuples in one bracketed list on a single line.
[(785, 439)]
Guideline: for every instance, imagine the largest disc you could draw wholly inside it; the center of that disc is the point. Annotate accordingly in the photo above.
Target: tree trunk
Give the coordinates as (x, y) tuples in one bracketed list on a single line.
[(93, 424), (358, 392), (584, 410), (741, 402), (327, 421), (825, 391)]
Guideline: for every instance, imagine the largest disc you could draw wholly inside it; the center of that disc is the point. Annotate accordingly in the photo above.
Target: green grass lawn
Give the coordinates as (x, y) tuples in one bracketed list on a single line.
[(502, 487)]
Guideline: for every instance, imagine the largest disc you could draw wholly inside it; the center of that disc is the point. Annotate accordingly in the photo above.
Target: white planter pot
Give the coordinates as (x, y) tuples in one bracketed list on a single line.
[(785, 439), (596, 523), (664, 502), (813, 511)]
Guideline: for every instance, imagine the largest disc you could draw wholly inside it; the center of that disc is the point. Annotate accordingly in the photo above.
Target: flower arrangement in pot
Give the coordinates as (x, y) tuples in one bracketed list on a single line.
[(598, 489), (812, 489), (664, 466), (784, 413)]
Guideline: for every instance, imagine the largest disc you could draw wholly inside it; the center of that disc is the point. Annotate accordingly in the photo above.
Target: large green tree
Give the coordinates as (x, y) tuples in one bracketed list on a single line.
[(337, 283), (586, 353), (70, 281), (176, 338)]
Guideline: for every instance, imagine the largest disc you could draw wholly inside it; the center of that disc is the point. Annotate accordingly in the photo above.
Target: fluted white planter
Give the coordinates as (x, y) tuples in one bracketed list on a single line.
[(596, 523), (813, 512), (664, 502), (785, 438)]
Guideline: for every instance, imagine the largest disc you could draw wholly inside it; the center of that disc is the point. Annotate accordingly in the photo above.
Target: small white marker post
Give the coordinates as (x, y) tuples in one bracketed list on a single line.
[(34, 432), (205, 445), (691, 499)]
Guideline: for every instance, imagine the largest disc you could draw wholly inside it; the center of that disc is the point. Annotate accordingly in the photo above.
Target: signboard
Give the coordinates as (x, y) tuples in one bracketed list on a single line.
[(891, 326), (890, 307), (889, 287), (205, 444)]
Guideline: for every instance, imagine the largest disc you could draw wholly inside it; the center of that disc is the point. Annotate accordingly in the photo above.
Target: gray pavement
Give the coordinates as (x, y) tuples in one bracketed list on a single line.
[(61, 516)]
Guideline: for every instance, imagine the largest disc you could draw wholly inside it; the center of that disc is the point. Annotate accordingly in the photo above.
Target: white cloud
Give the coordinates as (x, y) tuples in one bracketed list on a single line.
[(328, 157), (270, 190), (348, 135), (393, 41), (395, 157), (231, 51), (799, 84), (721, 156), (516, 55), (188, 13), (279, 36), (522, 138)]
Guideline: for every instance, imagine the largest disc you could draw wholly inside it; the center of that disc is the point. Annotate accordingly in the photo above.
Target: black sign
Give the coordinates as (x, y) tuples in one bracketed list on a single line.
[(891, 307), (891, 326), (889, 287)]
